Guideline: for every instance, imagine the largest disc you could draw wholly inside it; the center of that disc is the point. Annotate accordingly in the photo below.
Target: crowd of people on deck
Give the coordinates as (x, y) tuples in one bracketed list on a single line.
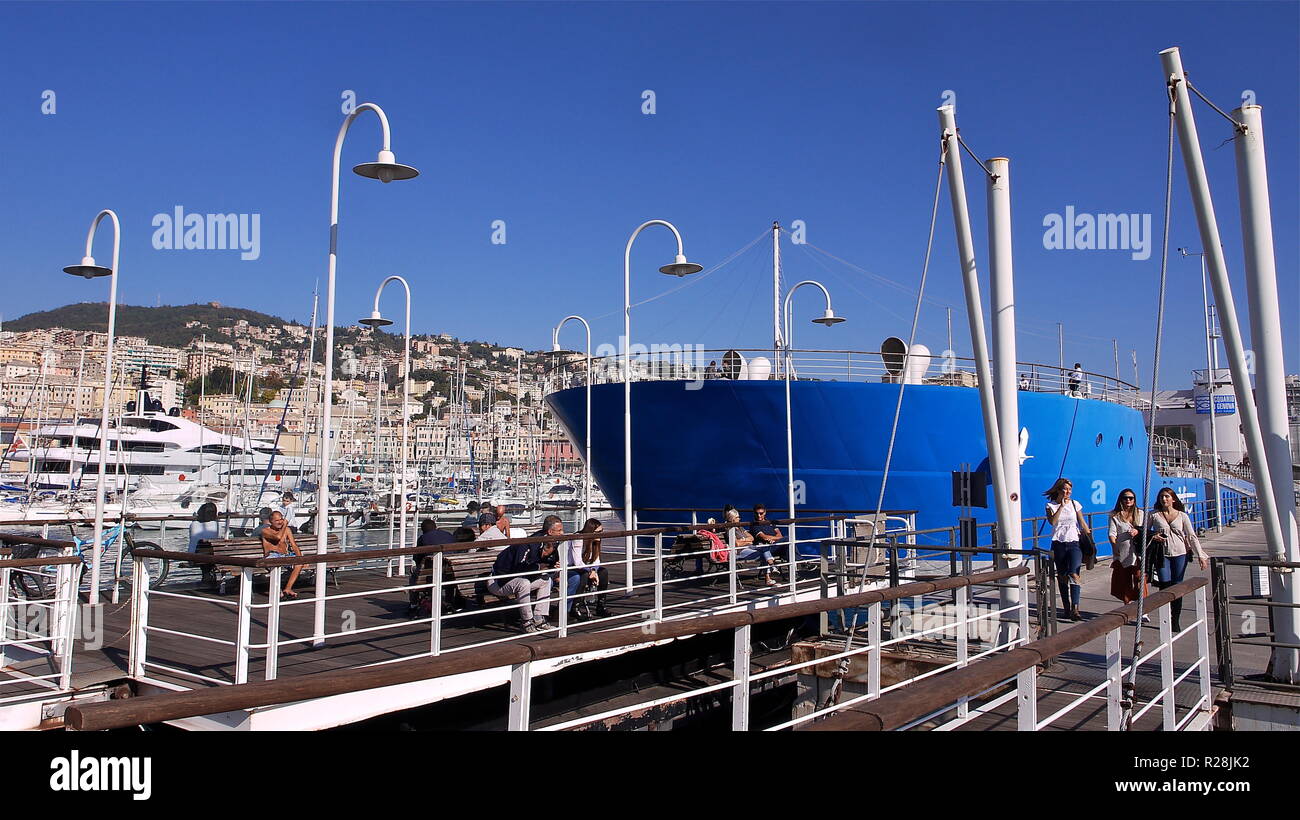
[(525, 574)]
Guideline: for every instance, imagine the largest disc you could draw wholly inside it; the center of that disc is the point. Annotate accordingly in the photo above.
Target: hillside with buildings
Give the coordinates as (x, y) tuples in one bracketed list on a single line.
[(245, 371)]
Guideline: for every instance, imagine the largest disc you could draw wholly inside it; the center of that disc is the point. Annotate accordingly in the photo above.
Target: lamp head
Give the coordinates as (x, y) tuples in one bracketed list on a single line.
[(88, 269), (829, 318), (680, 267), (386, 169), (376, 320)]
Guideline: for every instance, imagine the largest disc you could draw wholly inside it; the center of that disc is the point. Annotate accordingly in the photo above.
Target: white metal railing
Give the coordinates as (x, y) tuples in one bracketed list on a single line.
[(36, 627), (956, 624), (650, 582), (690, 363)]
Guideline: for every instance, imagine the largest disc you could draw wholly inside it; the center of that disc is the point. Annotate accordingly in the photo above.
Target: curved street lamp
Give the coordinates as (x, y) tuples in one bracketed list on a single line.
[(385, 169), (377, 320), (828, 318), (678, 267), (89, 270), (555, 348)]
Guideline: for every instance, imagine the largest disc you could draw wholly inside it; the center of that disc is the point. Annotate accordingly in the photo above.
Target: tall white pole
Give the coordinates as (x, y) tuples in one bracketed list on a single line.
[(1002, 293), (778, 343), (627, 380), (323, 491), (100, 481), (789, 424), (76, 422), (586, 486), (1209, 229), (1212, 383), (975, 317), (1270, 375)]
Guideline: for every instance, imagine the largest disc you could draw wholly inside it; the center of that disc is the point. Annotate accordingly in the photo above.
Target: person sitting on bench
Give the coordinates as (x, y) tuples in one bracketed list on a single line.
[(430, 536), (585, 571), (767, 538), (278, 542), (532, 588)]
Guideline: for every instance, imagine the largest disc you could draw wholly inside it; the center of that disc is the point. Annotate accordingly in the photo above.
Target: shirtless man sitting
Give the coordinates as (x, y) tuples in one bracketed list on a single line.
[(278, 542)]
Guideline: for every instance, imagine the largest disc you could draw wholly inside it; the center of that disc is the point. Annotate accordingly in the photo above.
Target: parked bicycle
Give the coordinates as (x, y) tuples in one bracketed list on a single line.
[(39, 581)]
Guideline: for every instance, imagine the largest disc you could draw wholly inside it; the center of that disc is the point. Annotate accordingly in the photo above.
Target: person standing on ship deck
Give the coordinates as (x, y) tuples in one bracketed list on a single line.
[(1076, 379), (1067, 519)]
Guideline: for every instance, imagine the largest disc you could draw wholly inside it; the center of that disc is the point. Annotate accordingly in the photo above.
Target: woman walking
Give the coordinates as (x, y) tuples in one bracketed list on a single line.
[(1172, 530), (1067, 520), (1125, 533)]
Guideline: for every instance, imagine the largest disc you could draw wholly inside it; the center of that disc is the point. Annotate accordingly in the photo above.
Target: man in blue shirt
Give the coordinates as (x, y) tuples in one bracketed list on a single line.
[(430, 536), (531, 589)]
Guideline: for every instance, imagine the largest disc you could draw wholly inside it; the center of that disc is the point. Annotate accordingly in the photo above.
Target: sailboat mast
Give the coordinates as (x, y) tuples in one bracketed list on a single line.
[(777, 341)]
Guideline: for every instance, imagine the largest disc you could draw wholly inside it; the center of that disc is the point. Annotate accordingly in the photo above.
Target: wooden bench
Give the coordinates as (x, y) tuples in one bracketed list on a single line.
[(252, 548), (469, 568)]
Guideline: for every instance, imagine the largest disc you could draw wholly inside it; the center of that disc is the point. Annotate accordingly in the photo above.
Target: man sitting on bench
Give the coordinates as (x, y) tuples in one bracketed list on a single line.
[(767, 537), (278, 542), (430, 536), (532, 590)]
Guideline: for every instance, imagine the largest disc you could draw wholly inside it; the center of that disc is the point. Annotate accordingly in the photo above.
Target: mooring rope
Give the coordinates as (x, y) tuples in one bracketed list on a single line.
[(842, 667), (1130, 686)]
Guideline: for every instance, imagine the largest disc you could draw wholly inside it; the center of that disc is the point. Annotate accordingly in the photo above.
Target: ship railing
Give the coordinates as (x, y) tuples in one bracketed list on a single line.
[(692, 364), (535, 655), (34, 625), (1013, 678), (1243, 601), (657, 596)]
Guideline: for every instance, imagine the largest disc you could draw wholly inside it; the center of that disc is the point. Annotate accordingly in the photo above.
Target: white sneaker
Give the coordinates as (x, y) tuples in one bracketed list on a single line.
[(1146, 619)]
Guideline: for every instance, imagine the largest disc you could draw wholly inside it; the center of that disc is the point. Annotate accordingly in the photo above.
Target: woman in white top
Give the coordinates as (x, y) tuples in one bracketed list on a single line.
[(1172, 530), (1126, 522), (584, 569), (1067, 519)]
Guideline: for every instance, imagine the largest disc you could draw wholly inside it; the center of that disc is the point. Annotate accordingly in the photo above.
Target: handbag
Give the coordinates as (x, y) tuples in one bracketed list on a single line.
[(1088, 548)]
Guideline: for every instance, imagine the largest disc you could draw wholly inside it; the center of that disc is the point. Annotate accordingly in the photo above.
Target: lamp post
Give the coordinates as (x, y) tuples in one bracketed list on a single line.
[(377, 320), (385, 169), (555, 348), (1212, 384), (89, 270), (679, 267), (828, 319)]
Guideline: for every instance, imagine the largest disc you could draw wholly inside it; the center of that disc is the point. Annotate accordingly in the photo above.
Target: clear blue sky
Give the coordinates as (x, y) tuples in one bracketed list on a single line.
[(531, 114)]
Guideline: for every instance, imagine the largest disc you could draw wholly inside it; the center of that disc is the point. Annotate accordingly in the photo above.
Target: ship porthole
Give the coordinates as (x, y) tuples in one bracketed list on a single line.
[(1121, 442), (1130, 443), (1099, 437)]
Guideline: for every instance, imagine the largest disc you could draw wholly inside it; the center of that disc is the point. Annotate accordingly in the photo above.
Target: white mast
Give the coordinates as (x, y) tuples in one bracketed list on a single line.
[(1004, 357), (975, 317), (1270, 375), (778, 342), (1218, 269)]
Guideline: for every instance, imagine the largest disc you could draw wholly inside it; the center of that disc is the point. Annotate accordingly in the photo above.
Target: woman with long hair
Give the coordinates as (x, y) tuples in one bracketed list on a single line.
[(1067, 520), (1171, 529), (585, 570), (1125, 533)]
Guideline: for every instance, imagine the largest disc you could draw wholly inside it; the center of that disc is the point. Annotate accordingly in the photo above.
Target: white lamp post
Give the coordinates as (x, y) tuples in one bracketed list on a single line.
[(376, 320), (555, 348), (679, 267), (385, 169), (90, 270), (828, 318)]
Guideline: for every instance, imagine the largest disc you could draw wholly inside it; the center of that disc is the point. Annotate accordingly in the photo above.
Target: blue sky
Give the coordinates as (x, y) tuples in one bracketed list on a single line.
[(532, 114)]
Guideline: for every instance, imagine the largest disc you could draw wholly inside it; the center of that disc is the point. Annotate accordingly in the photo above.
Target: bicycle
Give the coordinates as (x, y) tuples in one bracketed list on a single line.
[(37, 584)]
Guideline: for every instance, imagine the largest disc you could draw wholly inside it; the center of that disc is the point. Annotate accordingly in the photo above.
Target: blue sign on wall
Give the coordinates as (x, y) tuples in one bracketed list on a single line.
[(1223, 405)]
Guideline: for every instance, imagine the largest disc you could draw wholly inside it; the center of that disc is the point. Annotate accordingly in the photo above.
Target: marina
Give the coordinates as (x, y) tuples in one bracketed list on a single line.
[(219, 519)]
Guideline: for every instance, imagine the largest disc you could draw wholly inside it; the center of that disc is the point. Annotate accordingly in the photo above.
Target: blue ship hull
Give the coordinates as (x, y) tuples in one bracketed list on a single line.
[(723, 442)]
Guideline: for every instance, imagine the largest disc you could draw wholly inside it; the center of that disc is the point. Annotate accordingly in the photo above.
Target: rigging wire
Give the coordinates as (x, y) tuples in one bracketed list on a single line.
[(1130, 686), (842, 667)]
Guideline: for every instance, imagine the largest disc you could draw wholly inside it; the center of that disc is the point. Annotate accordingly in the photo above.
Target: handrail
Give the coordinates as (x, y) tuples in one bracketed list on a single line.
[(15, 563), (434, 549), (900, 708), (30, 540), (178, 705)]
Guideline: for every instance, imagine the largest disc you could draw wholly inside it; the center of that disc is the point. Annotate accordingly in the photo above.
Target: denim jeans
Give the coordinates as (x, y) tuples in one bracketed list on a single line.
[(1169, 574), (578, 578), (1068, 558)]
